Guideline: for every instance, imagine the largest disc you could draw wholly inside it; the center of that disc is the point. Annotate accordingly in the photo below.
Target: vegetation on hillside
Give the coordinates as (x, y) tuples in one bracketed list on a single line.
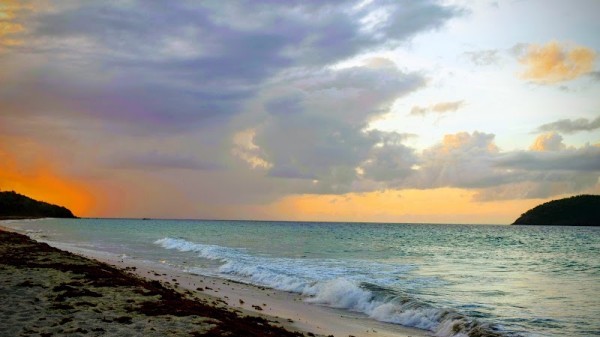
[(581, 210), (15, 205)]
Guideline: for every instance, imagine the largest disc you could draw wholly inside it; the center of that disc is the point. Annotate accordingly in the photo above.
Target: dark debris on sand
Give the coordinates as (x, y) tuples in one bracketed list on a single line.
[(91, 280)]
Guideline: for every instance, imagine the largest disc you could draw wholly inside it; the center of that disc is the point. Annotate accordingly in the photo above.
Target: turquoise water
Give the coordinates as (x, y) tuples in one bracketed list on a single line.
[(453, 280)]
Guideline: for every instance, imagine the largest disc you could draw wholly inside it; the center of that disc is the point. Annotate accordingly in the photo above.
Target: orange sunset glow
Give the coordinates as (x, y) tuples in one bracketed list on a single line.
[(443, 205), (362, 168), (40, 180), (326, 113)]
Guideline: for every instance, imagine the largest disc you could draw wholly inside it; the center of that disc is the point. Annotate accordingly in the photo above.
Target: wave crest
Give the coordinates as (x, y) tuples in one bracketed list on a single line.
[(327, 283)]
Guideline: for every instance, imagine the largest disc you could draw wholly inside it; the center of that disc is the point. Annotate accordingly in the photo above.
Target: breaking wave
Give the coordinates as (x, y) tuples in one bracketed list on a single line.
[(339, 284)]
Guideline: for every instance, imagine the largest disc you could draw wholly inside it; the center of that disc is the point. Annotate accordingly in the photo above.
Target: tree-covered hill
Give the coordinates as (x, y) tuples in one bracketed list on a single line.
[(15, 205), (581, 210)]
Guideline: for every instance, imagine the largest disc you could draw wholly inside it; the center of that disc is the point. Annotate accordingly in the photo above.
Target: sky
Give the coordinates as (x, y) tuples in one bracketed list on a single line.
[(380, 111)]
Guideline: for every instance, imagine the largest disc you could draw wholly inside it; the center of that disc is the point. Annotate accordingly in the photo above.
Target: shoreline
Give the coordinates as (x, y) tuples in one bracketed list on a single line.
[(288, 310), (47, 292)]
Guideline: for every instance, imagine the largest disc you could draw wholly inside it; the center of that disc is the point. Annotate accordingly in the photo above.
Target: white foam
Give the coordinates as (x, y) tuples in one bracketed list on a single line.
[(212, 252), (325, 282), (344, 294)]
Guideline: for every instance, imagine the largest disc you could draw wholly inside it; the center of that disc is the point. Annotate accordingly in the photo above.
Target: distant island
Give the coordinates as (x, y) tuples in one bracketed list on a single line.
[(581, 210), (17, 206)]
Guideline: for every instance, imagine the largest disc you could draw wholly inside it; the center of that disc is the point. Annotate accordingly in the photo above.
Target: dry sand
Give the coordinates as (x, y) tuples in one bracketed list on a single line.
[(271, 307)]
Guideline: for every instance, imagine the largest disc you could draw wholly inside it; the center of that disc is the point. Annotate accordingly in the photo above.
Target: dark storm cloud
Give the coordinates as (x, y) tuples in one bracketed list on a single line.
[(165, 85), (174, 65), (319, 133)]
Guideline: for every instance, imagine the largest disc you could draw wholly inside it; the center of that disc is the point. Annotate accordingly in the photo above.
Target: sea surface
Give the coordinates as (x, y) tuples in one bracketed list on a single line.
[(452, 280)]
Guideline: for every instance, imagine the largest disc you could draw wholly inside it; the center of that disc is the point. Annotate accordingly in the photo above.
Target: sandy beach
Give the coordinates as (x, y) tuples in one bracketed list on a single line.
[(50, 292)]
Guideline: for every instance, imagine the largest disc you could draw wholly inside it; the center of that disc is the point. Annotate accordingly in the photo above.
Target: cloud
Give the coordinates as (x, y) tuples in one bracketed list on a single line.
[(239, 100), (483, 57), (439, 108), (10, 25), (474, 161), (196, 65), (569, 126), (245, 149), (460, 160), (542, 174), (160, 161), (239, 103), (553, 62), (389, 160), (559, 158), (299, 32), (314, 125), (551, 141)]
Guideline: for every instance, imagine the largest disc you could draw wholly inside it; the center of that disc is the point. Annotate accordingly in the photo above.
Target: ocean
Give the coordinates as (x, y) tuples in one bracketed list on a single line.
[(452, 280)]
